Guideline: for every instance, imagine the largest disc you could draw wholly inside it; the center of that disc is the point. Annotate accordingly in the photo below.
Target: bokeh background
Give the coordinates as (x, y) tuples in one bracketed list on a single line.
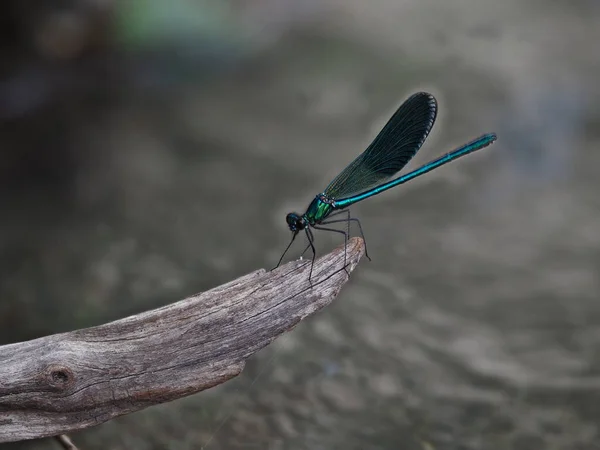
[(151, 149)]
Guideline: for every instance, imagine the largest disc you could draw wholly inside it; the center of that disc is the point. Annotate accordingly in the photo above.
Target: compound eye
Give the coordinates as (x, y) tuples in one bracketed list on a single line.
[(291, 219)]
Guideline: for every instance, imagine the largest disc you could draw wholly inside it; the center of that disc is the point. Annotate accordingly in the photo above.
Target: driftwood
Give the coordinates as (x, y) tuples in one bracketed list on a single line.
[(70, 381)]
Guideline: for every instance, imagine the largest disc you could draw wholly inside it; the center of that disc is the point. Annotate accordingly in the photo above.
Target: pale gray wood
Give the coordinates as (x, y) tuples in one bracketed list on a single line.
[(69, 381)]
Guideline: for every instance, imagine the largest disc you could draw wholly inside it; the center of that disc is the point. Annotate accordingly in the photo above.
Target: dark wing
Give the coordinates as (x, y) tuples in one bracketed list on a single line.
[(394, 146)]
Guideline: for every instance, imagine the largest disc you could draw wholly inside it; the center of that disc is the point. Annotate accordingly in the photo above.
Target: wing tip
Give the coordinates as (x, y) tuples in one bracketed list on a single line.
[(431, 100), (433, 110)]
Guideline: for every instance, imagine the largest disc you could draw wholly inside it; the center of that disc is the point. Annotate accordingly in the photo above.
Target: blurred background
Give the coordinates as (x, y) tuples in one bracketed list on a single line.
[(150, 150)]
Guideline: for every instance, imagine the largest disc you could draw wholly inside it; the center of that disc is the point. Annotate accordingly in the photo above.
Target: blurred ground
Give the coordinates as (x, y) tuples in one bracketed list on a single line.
[(160, 159)]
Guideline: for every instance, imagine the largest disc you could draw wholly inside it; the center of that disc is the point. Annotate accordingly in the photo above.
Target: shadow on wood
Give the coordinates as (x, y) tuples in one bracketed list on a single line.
[(69, 381)]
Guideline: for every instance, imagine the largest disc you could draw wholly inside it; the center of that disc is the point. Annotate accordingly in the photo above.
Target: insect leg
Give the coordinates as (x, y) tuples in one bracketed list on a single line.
[(333, 230), (348, 220), (285, 251), (311, 238)]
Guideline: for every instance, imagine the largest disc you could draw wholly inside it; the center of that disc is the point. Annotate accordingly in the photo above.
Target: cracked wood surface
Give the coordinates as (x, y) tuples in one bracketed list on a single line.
[(75, 380)]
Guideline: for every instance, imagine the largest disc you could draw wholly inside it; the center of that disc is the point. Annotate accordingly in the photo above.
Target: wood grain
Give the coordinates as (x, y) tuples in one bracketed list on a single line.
[(70, 381)]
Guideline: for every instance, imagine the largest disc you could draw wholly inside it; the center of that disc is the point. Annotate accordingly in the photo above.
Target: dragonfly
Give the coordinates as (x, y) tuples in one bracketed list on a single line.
[(372, 172)]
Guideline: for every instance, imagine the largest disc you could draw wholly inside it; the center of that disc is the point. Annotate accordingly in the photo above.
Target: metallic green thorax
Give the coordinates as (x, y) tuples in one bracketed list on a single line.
[(319, 209)]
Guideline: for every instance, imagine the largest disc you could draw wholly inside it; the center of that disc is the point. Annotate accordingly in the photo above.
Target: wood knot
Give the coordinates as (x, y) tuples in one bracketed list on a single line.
[(59, 377)]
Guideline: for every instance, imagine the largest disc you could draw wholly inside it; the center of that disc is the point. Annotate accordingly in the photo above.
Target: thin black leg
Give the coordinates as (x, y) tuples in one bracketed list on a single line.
[(348, 219), (307, 247), (317, 227), (311, 238), (285, 251), (347, 234)]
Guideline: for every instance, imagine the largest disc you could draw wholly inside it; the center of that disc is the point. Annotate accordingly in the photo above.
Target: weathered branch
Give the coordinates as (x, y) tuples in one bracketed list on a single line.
[(65, 382)]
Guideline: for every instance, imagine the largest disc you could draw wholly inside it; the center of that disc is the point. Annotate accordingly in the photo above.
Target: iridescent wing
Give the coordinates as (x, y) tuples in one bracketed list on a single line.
[(391, 150)]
